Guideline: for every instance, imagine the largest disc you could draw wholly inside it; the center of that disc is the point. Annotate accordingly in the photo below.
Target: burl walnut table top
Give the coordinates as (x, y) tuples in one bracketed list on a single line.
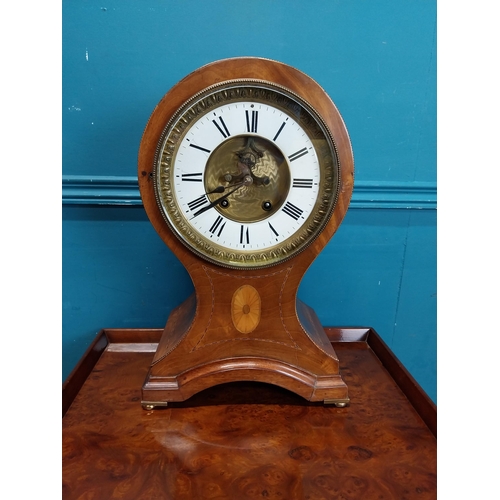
[(244, 440)]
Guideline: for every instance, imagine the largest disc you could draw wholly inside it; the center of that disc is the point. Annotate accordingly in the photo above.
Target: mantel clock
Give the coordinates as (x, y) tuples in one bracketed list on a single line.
[(245, 171)]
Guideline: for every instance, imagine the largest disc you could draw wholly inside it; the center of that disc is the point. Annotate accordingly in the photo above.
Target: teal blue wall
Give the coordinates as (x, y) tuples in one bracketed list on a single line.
[(376, 59)]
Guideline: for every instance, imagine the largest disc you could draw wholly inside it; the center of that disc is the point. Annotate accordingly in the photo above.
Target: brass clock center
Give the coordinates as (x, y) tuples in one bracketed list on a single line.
[(257, 169)]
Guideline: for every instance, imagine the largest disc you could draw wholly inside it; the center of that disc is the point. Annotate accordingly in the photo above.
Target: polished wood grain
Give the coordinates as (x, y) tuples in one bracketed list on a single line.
[(281, 341), (419, 399), (245, 439), (81, 371)]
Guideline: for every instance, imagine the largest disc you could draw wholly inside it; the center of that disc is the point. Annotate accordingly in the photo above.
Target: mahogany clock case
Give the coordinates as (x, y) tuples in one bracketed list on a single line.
[(203, 344)]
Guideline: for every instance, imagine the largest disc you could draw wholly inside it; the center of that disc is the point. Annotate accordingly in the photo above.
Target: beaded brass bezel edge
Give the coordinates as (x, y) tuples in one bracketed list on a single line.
[(216, 254)]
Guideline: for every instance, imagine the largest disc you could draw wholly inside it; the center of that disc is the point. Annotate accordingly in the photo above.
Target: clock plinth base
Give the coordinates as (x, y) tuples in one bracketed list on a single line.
[(158, 391), (184, 365)]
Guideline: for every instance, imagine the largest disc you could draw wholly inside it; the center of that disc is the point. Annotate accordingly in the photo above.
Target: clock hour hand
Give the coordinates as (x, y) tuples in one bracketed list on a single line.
[(218, 200), (221, 189), (218, 189)]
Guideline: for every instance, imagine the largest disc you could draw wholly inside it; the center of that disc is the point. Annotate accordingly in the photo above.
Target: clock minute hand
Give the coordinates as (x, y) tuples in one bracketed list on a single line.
[(218, 200)]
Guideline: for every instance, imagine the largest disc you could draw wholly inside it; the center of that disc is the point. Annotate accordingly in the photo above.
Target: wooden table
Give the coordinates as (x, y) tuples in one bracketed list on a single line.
[(246, 440)]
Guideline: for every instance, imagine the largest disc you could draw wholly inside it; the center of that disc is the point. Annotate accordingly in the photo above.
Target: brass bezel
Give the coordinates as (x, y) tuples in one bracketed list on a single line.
[(194, 109)]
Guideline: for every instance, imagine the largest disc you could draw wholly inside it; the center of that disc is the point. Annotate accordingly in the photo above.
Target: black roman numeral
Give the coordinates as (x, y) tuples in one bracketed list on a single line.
[(252, 125), (216, 225), (200, 148), (302, 183), (273, 230), (279, 130), (244, 235), (298, 154), (291, 210), (225, 133), (192, 177), (193, 205)]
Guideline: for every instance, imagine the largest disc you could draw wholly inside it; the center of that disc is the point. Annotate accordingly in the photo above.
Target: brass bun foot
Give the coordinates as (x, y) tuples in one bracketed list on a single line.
[(146, 405), (338, 403)]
